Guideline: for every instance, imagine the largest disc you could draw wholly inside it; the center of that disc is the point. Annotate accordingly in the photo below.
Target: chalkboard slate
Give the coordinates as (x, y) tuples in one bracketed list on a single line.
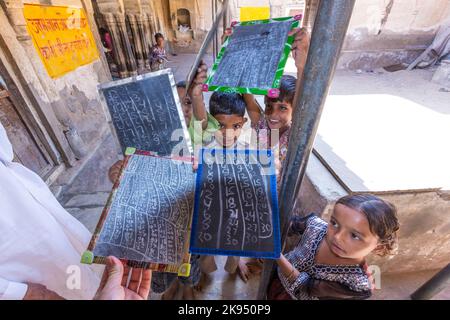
[(148, 214), (236, 209), (146, 111), (252, 59)]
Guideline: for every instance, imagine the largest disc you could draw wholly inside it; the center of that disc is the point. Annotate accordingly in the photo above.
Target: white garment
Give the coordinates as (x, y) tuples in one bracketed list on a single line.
[(39, 239)]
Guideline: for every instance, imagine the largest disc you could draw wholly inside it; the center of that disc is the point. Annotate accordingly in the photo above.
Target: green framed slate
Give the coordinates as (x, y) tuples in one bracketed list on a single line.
[(253, 57)]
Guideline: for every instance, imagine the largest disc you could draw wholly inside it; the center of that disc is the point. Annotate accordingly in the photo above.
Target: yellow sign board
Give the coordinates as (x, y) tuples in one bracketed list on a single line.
[(254, 13), (62, 37)]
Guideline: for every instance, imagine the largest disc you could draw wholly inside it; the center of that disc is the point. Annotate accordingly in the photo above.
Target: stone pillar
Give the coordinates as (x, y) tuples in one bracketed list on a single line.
[(151, 28), (129, 56), (145, 36), (14, 11), (137, 41), (119, 52)]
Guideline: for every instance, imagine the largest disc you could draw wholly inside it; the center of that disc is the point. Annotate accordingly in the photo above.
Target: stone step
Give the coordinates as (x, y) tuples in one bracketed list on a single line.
[(87, 200), (88, 217)]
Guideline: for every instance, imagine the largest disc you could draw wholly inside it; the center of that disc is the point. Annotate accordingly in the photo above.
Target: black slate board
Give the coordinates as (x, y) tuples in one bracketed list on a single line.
[(148, 215), (236, 209), (146, 111), (253, 57)]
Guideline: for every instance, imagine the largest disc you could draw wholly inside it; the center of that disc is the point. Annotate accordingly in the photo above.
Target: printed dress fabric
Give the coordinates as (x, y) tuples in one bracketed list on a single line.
[(157, 58), (264, 136), (317, 281), (40, 241)]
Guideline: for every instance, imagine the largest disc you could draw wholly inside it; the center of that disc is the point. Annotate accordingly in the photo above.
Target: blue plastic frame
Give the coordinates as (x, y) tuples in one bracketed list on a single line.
[(275, 254)]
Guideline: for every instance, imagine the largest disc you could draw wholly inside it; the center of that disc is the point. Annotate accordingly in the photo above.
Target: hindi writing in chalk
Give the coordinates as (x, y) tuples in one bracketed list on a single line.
[(236, 210), (150, 213), (147, 115), (253, 58)]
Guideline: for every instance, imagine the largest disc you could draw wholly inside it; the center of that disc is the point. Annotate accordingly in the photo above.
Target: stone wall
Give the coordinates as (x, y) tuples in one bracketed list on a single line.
[(383, 33), (67, 107)]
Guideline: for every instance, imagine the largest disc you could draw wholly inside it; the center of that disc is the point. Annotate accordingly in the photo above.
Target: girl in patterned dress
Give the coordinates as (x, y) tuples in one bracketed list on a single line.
[(329, 260)]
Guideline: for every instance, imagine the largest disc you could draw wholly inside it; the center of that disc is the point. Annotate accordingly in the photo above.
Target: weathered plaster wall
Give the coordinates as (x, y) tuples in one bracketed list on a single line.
[(382, 33), (73, 97)]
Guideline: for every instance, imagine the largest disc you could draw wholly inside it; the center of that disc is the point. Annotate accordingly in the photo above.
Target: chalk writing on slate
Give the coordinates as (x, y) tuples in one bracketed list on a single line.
[(146, 112), (252, 56), (149, 215), (236, 211)]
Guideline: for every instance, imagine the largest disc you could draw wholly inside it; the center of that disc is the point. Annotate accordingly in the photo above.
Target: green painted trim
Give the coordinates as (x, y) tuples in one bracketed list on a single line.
[(129, 151), (87, 257), (280, 68)]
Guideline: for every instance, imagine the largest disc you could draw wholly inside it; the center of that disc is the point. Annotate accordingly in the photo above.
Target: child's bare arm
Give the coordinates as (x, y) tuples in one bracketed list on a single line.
[(196, 93), (300, 49), (253, 110), (286, 268)]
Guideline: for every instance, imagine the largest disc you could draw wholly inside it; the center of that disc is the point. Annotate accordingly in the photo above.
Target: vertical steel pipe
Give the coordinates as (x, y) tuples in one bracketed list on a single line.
[(327, 38)]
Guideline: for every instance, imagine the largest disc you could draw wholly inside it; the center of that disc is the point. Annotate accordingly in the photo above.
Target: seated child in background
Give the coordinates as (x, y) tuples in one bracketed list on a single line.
[(158, 56), (329, 260)]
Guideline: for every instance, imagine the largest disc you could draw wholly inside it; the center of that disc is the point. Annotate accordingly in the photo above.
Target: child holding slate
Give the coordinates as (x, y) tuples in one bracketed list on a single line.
[(273, 127), (329, 260), (220, 128), (222, 125)]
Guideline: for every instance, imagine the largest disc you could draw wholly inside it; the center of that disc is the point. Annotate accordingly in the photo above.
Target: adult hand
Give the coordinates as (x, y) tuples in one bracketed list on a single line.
[(114, 280), (39, 292)]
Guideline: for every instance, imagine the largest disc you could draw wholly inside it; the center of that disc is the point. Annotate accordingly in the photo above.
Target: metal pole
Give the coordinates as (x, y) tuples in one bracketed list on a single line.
[(214, 41), (433, 286), (326, 42)]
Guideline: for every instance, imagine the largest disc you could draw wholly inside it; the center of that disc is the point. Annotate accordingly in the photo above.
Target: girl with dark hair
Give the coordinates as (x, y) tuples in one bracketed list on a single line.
[(329, 260)]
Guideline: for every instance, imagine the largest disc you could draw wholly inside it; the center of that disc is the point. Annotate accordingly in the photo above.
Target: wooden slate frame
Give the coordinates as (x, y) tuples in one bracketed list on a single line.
[(274, 91), (88, 257), (275, 254), (116, 83)]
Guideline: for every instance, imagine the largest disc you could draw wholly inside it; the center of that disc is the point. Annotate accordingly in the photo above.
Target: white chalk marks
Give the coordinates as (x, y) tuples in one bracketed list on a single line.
[(149, 215), (145, 113), (236, 209), (252, 56)]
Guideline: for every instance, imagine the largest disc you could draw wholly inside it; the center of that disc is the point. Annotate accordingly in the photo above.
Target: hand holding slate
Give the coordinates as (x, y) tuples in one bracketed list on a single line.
[(199, 80), (113, 285), (196, 93), (300, 48)]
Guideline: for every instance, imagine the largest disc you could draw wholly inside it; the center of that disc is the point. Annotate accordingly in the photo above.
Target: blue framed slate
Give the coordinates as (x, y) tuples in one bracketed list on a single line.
[(236, 205)]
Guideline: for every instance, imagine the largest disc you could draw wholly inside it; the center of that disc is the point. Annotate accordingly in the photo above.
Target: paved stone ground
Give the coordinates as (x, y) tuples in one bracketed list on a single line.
[(85, 197)]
